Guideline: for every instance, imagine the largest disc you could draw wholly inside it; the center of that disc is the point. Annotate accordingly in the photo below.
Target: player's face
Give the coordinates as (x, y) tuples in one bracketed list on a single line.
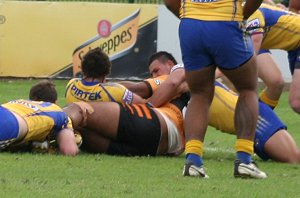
[(157, 68)]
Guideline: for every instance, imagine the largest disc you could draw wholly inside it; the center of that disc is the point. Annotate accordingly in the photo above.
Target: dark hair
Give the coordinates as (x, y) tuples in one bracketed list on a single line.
[(43, 91), (162, 56), (95, 64)]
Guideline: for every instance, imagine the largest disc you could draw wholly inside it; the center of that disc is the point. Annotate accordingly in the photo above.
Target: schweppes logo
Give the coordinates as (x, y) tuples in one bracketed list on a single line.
[(116, 40)]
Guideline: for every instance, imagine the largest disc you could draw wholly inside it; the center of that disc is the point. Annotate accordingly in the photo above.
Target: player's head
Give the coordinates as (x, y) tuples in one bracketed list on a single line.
[(161, 63), (44, 90), (95, 64)]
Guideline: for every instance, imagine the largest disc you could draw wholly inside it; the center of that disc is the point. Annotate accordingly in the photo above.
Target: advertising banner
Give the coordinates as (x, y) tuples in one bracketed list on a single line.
[(48, 39)]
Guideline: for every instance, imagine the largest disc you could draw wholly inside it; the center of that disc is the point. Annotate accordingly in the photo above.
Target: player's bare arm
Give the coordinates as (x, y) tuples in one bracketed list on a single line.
[(250, 7), (173, 6), (66, 142), (139, 88), (173, 86)]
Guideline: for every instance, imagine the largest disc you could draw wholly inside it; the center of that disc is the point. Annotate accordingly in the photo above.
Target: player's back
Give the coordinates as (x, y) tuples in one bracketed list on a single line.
[(212, 10), (42, 118), (221, 113), (81, 90), (281, 28)]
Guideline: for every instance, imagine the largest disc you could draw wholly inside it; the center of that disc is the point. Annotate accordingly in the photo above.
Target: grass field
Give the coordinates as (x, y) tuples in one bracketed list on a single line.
[(88, 175)]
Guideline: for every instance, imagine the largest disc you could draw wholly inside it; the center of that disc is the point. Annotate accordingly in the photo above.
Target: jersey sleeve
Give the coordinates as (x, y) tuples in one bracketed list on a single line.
[(178, 66), (118, 93), (256, 23), (153, 83)]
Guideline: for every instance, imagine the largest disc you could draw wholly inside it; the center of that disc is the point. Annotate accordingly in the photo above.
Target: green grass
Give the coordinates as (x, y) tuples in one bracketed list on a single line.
[(89, 175)]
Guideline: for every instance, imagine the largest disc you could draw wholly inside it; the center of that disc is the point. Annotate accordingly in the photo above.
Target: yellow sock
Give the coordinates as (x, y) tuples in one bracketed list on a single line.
[(265, 99), (244, 145), (194, 146)]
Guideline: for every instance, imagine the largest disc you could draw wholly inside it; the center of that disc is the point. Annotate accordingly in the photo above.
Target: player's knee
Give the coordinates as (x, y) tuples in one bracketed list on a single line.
[(248, 93), (277, 83), (295, 104), (293, 158)]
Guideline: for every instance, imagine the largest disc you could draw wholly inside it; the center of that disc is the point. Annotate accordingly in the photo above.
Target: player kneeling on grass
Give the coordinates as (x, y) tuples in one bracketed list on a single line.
[(25, 121), (130, 129)]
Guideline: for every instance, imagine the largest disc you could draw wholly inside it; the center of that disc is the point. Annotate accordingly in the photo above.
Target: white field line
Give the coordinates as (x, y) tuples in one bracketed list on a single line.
[(219, 150)]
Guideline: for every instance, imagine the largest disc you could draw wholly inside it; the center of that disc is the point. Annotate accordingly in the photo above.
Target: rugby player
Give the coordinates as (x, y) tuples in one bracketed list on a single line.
[(272, 140), (130, 129), (274, 28), (93, 86), (126, 129), (212, 35), (25, 121)]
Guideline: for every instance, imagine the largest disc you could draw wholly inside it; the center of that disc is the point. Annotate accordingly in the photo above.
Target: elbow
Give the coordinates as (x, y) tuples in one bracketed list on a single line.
[(69, 151)]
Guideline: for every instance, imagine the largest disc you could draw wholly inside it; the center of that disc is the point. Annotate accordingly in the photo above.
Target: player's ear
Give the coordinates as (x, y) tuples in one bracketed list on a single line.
[(170, 64)]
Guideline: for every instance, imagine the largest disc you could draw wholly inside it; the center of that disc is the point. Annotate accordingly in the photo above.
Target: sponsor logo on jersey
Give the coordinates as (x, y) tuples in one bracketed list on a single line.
[(27, 104), (128, 96), (85, 94), (253, 24)]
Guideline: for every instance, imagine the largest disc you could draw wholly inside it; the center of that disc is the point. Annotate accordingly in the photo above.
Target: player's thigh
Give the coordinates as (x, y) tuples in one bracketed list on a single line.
[(218, 43), (201, 81), (268, 124), (295, 86), (245, 76), (193, 42), (282, 147), (105, 118), (268, 70)]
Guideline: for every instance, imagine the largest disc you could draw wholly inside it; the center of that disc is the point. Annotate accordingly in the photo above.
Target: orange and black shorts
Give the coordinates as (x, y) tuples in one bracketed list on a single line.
[(139, 131)]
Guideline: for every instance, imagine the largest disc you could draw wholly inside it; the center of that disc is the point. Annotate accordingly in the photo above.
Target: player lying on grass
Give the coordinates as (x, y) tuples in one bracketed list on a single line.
[(272, 140), (121, 129), (25, 121), (130, 129)]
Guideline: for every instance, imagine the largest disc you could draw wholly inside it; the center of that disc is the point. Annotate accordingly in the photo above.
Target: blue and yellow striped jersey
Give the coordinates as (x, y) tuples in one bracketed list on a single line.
[(80, 90), (212, 10), (42, 118), (281, 28)]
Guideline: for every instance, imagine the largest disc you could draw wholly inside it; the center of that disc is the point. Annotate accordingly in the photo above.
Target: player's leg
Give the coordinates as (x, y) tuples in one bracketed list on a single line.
[(93, 142), (96, 116), (247, 105), (200, 79), (294, 6), (246, 114), (268, 135), (270, 74), (196, 117), (294, 94), (13, 128), (237, 62), (126, 129), (282, 147)]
